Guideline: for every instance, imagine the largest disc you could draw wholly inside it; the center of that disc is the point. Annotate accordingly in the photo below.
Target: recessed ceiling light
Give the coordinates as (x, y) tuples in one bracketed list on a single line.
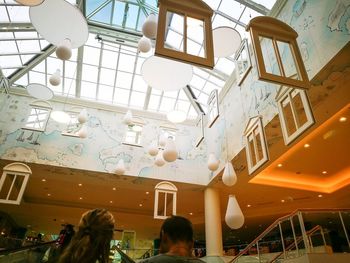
[(320, 196), (191, 213), (147, 193), (48, 194), (324, 172), (249, 205), (80, 198), (43, 180), (283, 200), (80, 184), (140, 205), (279, 165), (111, 202), (342, 119), (114, 188), (306, 145)]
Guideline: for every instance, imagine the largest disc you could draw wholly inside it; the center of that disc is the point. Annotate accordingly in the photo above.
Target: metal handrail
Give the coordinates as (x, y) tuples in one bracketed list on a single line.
[(13, 250), (293, 245), (277, 221)]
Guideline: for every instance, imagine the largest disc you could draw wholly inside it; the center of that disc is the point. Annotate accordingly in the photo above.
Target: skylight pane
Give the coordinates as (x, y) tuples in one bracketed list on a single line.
[(103, 15), (70, 69), (167, 105), (109, 59), (69, 86), (89, 73), (10, 61), (88, 90), (3, 15), (18, 13), (132, 16), (137, 99), (91, 55), (225, 66), (91, 5), (107, 76), (222, 21), (126, 62), (267, 3), (121, 97), (153, 102), (40, 67), (118, 16), (7, 47), (248, 15), (105, 93), (53, 64), (232, 8), (36, 77), (171, 94), (123, 80), (28, 46), (139, 84)]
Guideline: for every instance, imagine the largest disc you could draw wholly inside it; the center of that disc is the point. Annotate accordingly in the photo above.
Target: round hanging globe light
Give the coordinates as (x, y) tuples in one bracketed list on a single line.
[(64, 51), (226, 41), (234, 217), (39, 91), (149, 27), (82, 116), (144, 44), (176, 116), (55, 78), (213, 163), (83, 132), (153, 149), (170, 152), (120, 169), (127, 119), (60, 116), (159, 161), (229, 177), (29, 2)]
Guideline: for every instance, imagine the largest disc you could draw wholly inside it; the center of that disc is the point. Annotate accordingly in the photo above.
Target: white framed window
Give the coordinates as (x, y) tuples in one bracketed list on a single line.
[(38, 116), (165, 200), (133, 133), (295, 112), (243, 62), (13, 183), (200, 126), (213, 107), (73, 125), (255, 144)]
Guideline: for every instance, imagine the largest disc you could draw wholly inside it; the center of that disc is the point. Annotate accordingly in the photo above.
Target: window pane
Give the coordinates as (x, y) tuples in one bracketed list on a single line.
[(174, 37), (288, 61), (269, 56), (288, 117), (88, 90), (299, 108)]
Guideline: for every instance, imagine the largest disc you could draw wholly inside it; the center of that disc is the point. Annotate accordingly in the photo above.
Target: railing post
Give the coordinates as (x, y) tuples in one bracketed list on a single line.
[(303, 232), (284, 249), (344, 228), (324, 240), (294, 236), (257, 248)]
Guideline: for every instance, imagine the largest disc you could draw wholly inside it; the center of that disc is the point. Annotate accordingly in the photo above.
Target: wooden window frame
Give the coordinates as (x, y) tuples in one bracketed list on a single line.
[(167, 188), (244, 46)]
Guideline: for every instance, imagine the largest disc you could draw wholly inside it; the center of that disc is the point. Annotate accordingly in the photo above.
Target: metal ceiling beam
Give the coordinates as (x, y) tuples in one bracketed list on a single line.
[(192, 98), (255, 6), (32, 63), (16, 27), (230, 18)]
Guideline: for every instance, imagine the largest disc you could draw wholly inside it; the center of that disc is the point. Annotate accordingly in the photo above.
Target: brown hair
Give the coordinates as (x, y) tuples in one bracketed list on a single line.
[(92, 241)]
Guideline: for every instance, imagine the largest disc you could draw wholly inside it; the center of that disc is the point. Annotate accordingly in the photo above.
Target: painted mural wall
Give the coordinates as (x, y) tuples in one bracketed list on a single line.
[(323, 27), (102, 148)]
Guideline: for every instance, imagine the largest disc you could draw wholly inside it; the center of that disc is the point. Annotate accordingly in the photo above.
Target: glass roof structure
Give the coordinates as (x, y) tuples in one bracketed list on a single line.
[(108, 67)]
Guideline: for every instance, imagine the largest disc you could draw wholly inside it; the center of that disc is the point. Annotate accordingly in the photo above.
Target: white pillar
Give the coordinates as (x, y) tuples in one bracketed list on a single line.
[(213, 232)]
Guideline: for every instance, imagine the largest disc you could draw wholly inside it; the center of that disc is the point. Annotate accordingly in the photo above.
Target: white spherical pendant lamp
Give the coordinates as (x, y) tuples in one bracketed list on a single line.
[(120, 169), (170, 152), (55, 78), (149, 27), (234, 217), (213, 163), (144, 44), (83, 133), (127, 118), (153, 149), (159, 161), (64, 51), (176, 116), (83, 116), (229, 176), (60, 116)]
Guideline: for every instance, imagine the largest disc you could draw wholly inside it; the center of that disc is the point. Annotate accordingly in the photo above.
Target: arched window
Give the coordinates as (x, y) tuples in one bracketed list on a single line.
[(165, 200)]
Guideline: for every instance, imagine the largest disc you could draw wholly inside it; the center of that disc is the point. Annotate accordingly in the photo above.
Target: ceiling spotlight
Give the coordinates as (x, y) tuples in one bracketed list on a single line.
[(114, 188), (111, 202), (147, 193), (43, 180), (342, 119), (80, 184), (324, 172), (279, 165), (306, 145), (320, 196), (249, 205), (282, 201), (140, 205), (80, 198), (191, 213), (48, 194)]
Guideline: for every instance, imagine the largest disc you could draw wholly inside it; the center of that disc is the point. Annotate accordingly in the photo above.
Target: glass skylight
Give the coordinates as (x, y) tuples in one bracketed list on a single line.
[(109, 70)]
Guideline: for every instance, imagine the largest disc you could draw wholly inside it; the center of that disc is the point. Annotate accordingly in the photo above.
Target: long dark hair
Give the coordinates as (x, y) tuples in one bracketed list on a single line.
[(92, 240)]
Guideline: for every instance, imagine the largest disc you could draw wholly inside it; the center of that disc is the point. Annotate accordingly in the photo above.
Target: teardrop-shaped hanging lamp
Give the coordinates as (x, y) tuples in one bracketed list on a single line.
[(170, 152), (64, 51), (229, 176), (128, 118), (213, 163), (144, 45), (82, 133), (83, 116), (234, 217), (153, 149), (149, 27), (55, 78), (120, 169), (159, 161)]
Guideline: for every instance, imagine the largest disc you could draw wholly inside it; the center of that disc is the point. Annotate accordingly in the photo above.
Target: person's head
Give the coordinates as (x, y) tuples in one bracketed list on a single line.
[(92, 240), (176, 230)]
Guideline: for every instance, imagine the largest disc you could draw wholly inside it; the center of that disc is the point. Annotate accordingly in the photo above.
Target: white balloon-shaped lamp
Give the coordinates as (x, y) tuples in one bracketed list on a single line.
[(120, 169), (64, 51), (170, 152), (159, 159), (229, 176), (149, 27), (144, 44), (82, 116), (82, 133), (162, 141), (153, 149), (234, 217), (55, 78), (128, 118), (213, 163)]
